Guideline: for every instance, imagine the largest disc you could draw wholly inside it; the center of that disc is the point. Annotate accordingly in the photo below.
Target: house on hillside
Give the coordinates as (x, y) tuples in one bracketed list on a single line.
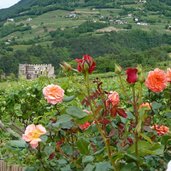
[(29, 19), (32, 71), (10, 20), (142, 24)]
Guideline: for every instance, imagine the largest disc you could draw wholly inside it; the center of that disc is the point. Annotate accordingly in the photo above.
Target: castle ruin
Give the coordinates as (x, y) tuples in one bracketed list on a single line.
[(32, 71)]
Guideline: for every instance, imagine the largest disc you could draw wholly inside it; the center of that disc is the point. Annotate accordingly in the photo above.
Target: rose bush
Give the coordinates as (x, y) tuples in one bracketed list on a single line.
[(79, 124)]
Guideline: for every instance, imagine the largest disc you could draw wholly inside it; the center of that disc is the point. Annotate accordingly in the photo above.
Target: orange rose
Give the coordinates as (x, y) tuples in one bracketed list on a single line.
[(32, 134), (161, 130), (156, 80), (168, 75), (53, 94), (113, 98)]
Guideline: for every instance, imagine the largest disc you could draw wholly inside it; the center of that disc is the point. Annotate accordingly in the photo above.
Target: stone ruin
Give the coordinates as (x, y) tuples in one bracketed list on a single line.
[(32, 71)]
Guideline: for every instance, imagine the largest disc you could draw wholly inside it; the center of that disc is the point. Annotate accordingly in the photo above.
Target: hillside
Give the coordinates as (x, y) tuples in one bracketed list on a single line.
[(127, 32), (37, 7)]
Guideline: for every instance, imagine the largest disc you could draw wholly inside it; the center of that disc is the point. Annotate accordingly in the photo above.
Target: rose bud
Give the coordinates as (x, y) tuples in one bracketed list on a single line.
[(86, 64), (132, 75), (66, 67), (118, 69)]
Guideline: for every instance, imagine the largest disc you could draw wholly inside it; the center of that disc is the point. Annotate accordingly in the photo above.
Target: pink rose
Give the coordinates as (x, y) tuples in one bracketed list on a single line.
[(113, 98), (32, 134), (53, 94)]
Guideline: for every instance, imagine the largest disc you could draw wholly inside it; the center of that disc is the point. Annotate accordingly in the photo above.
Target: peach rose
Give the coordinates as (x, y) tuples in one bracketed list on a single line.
[(156, 80), (53, 94), (145, 105), (160, 129), (168, 74), (32, 134), (113, 98)]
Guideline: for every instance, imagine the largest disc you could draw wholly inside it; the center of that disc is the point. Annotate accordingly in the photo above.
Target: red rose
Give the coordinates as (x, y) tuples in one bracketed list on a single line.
[(131, 75), (86, 64)]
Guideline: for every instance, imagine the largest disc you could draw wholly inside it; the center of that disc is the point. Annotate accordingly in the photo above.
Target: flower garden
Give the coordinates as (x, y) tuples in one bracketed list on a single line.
[(80, 123)]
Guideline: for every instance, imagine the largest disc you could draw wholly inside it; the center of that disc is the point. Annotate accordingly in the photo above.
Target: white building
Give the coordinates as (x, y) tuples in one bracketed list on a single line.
[(10, 20)]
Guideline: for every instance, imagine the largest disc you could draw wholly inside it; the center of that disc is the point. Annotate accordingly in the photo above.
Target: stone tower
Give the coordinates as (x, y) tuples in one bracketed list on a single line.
[(32, 71)]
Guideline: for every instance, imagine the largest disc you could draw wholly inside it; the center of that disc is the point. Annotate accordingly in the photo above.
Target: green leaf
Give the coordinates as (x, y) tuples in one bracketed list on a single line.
[(165, 139), (168, 115), (67, 149), (85, 119), (76, 112), (146, 148), (17, 109), (68, 98), (130, 115), (66, 168), (131, 156), (89, 167), (129, 167), (67, 125), (156, 106), (87, 159), (18, 143), (146, 138), (99, 151), (62, 119), (62, 162), (103, 166), (157, 149), (44, 138), (49, 149), (82, 145), (138, 127)]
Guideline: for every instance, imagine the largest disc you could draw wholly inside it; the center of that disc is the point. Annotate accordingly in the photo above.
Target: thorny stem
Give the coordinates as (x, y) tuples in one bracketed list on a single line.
[(102, 133), (136, 122)]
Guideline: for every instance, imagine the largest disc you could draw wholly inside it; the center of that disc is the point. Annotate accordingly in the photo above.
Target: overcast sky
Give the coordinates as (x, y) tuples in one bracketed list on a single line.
[(7, 3)]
